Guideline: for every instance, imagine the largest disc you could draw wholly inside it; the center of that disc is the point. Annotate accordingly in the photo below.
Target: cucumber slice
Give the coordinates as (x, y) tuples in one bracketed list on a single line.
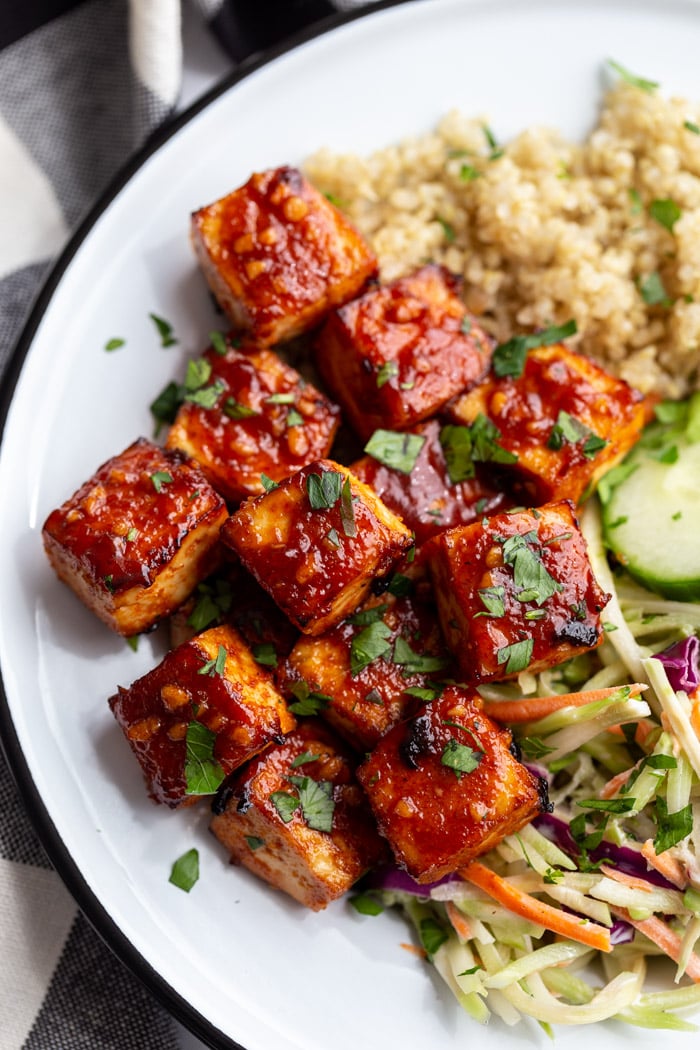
[(651, 519)]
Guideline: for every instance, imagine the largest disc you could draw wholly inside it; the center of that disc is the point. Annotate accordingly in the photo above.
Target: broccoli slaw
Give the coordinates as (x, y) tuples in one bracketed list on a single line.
[(560, 921)]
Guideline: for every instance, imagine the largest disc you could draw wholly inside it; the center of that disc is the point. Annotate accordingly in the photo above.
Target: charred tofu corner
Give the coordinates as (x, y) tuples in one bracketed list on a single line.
[(296, 817), (135, 540), (316, 542), (445, 787)]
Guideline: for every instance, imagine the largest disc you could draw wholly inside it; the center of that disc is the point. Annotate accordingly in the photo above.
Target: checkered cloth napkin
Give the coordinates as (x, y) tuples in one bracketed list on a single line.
[(83, 83)]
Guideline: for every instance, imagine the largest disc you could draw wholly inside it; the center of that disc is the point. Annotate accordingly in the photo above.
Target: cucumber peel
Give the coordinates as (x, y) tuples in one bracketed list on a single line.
[(651, 505)]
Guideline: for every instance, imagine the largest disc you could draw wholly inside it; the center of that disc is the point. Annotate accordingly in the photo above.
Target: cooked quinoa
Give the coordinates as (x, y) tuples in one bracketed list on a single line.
[(543, 230)]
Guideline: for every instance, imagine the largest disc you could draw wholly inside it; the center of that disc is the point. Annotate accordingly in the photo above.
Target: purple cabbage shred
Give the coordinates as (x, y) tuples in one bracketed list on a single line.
[(682, 663)]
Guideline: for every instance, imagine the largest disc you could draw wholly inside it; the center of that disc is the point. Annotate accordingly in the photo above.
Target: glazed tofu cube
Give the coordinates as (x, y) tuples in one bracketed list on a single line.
[(278, 255), (563, 421), (261, 418), (316, 543), (201, 713), (375, 667), (515, 592), (232, 596), (397, 354), (135, 540), (296, 817), (420, 489), (444, 786)]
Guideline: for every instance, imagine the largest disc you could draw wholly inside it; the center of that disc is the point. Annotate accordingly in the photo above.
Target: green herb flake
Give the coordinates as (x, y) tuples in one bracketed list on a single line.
[(534, 747), (666, 212), (448, 230), (254, 842), (552, 876), (161, 478), (374, 697), (264, 653), (509, 358), (133, 642), (630, 78), (185, 871), (316, 799), (493, 600), (367, 616), (608, 805), (400, 586), (369, 645), (132, 534), (460, 757), (285, 803), (218, 343), (306, 702), (570, 430), (398, 451), (294, 418), (114, 344), (636, 205), (416, 663), (389, 370), (212, 601), (456, 442), (367, 903), (517, 656), (651, 288), (203, 774), (164, 329), (432, 934), (280, 399), (347, 512), (235, 410), (198, 373), (672, 828), (333, 537), (304, 759), (424, 693), (529, 572), (267, 483), (468, 173), (164, 407), (324, 490), (207, 396), (689, 126)]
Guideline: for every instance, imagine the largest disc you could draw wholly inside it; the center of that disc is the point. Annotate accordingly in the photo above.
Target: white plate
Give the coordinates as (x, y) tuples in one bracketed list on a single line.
[(233, 959)]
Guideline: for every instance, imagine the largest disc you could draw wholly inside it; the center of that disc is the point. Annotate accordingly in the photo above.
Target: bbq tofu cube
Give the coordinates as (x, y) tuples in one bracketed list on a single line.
[(316, 543), (201, 713), (444, 786), (252, 415), (564, 422), (278, 255), (394, 356), (516, 592), (409, 473), (375, 667), (297, 817), (136, 539)]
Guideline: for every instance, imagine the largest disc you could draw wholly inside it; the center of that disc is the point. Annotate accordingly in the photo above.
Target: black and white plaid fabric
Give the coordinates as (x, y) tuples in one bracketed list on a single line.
[(83, 83)]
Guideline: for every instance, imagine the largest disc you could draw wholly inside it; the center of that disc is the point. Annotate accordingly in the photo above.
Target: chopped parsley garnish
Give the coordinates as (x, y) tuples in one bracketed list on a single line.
[(367, 646), (164, 329), (207, 396), (636, 205), (460, 757), (666, 212), (133, 642), (367, 903), (324, 489), (630, 78), (395, 450), (509, 358), (161, 478), (114, 344), (374, 697), (109, 583), (185, 870), (400, 585), (333, 537), (203, 774), (432, 934), (307, 702), (495, 150), (316, 801), (652, 291), (254, 842), (218, 343), (132, 534), (280, 399), (672, 828), (570, 430), (367, 616), (347, 512), (285, 803), (294, 418), (529, 573), (425, 693), (465, 446), (493, 600), (198, 373), (448, 230), (389, 370), (267, 483), (304, 758), (534, 747), (416, 663), (217, 665), (213, 600), (468, 173), (164, 407), (264, 653), (689, 126), (517, 656), (608, 805), (235, 410)]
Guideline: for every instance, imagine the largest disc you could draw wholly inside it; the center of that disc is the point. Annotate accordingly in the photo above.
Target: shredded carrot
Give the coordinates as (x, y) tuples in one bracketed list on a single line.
[(664, 938), (414, 949), (695, 712), (460, 923), (665, 864), (528, 907), (615, 783), (536, 707)]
